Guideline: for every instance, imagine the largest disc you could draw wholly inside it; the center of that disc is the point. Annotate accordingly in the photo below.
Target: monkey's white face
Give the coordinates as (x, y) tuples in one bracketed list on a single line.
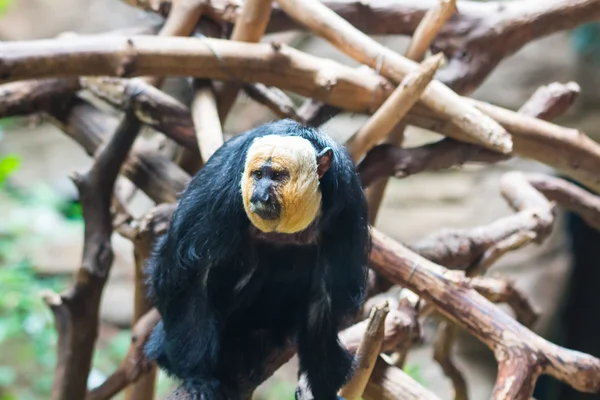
[(280, 184)]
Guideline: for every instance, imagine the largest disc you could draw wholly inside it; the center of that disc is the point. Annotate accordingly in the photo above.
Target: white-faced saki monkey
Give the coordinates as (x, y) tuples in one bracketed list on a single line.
[(270, 235)]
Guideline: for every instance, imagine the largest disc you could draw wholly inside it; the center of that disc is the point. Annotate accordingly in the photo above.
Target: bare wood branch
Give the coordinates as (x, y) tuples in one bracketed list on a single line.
[(498, 290), (442, 355), (476, 44), (504, 246), (206, 119), (279, 65), (568, 195), (516, 379), (393, 109), (367, 353), (135, 369), (135, 366), (32, 96), (275, 100), (76, 310), (316, 112), (151, 105), (401, 326), (153, 173), (551, 101), (429, 27), (579, 156), (250, 26), (426, 31), (388, 160), (325, 23), (506, 337), (391, 383)]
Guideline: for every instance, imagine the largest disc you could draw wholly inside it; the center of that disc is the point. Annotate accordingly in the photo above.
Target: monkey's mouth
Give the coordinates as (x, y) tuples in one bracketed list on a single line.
[(266, 211)]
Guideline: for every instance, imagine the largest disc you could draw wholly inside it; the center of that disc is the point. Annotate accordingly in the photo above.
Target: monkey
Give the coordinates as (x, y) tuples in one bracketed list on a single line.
[(270, 236)]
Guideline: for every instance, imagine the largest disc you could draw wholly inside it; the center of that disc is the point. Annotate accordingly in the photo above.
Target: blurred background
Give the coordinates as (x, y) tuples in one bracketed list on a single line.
[(41, 227)]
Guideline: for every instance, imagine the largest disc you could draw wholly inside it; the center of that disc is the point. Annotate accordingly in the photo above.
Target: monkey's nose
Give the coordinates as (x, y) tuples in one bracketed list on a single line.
[(261, 197)]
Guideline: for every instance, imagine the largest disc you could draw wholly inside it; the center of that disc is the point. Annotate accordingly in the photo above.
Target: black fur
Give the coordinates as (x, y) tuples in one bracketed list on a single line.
[(205, 336)]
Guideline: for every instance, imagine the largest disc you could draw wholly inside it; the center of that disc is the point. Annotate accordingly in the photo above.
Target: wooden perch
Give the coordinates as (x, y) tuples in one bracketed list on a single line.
[(275, 100), (388, 160), (33, 96), (568, 195), (324, 22), (476, 39), (354, 90), (135, 368), (513, 344), (206, 120), (393, 109), (152, 172), (76, 310), (367, 353), (428, 28), (151, 106), (135, 365), (273, 65), (249, 27)]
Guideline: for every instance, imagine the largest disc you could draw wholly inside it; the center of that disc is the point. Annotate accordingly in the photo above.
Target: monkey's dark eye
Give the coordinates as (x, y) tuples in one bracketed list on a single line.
[(258, 174)]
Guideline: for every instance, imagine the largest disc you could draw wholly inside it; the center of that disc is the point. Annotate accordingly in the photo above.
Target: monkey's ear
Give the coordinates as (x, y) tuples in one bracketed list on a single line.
[(324, 160)]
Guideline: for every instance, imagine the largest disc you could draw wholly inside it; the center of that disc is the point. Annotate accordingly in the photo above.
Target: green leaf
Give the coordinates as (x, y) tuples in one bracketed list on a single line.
[(8, 163)]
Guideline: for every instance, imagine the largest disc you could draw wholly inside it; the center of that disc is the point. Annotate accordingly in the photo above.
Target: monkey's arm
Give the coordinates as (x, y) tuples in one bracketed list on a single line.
[(186, 342), (338, 290)]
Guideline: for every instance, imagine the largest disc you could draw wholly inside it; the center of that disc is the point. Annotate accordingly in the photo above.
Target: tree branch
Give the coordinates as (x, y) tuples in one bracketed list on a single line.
[(249, 27), (367, 353), (325, 23), (393, 109), (275, 100), (76, 310), (503, 335)]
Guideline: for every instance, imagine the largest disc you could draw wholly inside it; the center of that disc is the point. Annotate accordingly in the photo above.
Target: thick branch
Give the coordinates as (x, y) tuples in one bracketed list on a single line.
[(475, 45), (356, 90), (393, 109), (476, 39), (273, 65), (461, 304), (249, 27), (134, 366), (325, 23), (151, 105), (152, 172), (275, 100), (76, 310), (388, 160)]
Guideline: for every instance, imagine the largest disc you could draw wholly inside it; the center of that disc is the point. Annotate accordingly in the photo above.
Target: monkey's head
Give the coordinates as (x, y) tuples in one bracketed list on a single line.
[(280, 183)]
